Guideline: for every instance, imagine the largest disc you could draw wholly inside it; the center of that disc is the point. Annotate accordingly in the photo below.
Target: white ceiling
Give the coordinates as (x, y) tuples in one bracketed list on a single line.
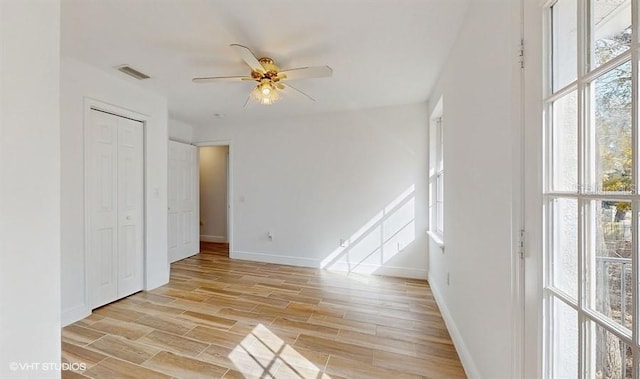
[(383, 52)]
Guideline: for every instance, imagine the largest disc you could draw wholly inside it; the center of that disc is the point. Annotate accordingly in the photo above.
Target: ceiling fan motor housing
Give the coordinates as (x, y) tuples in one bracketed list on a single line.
[(270, 68)]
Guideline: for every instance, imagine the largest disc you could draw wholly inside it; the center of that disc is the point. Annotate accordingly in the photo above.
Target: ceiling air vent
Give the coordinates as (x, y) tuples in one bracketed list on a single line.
[(125, 68)]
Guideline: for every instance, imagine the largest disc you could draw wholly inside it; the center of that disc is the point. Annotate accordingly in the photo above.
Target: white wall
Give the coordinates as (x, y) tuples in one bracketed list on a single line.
[(213, 193), (312, 181), (180, 131), (79, 82), (29, 186), (479, 89)]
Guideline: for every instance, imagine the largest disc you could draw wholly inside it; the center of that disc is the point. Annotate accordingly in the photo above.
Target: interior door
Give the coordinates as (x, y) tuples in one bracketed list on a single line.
[(114, 201), (130, 207), (172, 201), (184, 213), (102, 207)]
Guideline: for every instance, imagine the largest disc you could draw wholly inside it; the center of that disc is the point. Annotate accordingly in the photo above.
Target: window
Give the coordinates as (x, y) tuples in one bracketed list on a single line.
[(591, 206), (436, 174)]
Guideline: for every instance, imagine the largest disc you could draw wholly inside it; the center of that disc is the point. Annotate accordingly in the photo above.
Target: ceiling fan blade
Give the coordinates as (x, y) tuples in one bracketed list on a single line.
[(247, 101), (221, 79), (299, 91), (307, 72), (248, 57)]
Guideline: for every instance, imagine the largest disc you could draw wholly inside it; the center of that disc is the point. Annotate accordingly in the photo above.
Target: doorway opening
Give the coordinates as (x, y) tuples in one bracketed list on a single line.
[(215, 204)]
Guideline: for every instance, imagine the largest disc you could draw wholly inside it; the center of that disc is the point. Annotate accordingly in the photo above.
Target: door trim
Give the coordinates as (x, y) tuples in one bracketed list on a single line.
[(230, 198), (94, 104)]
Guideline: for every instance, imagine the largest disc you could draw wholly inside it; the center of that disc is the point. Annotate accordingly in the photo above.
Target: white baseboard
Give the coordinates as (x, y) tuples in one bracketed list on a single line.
[(208, 238), (77, 313), (278, 259), (394, 271), (466, 359), (400, 272)]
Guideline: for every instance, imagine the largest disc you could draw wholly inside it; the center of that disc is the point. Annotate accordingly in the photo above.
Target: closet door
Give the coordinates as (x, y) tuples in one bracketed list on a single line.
[(114, 201), (102, 207), (130, 207)]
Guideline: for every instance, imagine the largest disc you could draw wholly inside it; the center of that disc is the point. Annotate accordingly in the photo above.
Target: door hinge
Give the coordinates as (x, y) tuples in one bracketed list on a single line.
[(521, 244), (521, 54)]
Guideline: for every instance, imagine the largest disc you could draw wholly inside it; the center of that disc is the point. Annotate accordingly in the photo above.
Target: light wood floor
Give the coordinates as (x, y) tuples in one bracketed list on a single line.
[(219, 318)]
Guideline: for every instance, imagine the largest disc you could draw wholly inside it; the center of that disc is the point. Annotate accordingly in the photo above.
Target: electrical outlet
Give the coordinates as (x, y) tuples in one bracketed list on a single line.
[(270, 236)]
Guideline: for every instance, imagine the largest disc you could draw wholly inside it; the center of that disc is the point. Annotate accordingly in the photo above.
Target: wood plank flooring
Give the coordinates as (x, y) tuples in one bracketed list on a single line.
[(219, 318)]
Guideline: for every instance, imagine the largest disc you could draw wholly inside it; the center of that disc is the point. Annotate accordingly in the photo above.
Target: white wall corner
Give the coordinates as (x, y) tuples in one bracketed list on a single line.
[(180, 131), (466, 358), (77, 313), (159, 278)]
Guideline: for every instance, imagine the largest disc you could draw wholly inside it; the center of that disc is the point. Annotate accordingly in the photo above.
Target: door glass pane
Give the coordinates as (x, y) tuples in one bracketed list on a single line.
[(611, 26), (611, 106), (564, 340), (564, 249), (610, 262), (607, 356), (564, 51), (564, 158)]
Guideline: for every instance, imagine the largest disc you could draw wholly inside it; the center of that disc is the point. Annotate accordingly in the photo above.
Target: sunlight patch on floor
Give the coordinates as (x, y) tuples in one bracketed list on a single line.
[(263, 354)]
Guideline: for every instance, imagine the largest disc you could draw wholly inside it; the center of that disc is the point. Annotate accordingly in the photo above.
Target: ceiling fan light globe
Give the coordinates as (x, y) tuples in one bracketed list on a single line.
[(265, 93)]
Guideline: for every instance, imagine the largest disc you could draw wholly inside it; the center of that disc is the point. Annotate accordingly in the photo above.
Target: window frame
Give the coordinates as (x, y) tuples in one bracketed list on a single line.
[(587, 191), (436, 175)]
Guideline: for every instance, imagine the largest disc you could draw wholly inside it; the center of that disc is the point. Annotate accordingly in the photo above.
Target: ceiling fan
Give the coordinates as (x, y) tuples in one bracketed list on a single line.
[(269, 76)]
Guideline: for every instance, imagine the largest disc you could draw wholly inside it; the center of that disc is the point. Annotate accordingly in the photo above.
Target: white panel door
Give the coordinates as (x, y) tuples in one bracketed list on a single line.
[(172, 201), (184, 212), (130, 206), (114, 200), (102, 207)]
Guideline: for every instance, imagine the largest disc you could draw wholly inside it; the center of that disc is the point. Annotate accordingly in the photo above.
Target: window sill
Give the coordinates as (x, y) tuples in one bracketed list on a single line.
[(436, 238)]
